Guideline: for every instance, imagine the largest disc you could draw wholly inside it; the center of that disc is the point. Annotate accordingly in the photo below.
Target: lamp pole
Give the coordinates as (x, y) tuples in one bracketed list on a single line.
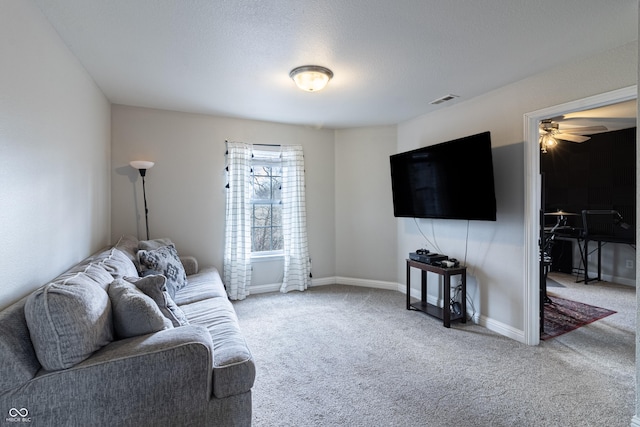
[(142, 166), (143, 172)]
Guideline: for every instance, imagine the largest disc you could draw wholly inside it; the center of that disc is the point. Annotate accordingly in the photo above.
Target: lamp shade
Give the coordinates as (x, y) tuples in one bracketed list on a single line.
[(311, 78), (141, 164)]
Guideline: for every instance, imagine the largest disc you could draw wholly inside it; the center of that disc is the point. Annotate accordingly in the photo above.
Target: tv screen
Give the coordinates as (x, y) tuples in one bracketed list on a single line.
[(450, 180)]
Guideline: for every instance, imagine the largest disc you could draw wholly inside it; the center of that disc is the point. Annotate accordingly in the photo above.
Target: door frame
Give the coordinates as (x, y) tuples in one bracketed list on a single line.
[(533, 193)]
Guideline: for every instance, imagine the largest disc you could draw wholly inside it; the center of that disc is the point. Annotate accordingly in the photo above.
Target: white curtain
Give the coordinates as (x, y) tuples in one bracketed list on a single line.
[(237, 248), (297, 264)]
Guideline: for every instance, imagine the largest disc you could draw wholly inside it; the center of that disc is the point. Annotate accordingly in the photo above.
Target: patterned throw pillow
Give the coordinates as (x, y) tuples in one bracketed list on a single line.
[(165, 260)]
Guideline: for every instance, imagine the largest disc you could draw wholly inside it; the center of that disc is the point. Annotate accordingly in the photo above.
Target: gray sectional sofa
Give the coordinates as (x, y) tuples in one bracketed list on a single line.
[(126, 337)]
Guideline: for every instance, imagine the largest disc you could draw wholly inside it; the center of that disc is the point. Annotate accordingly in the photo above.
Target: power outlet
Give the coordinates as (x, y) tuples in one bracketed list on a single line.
[(629, 263)]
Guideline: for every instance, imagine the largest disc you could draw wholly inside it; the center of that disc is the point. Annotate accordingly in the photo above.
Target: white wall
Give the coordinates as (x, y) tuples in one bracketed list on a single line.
[(185, 188), (495, 249), (365, 227), (55, 145)]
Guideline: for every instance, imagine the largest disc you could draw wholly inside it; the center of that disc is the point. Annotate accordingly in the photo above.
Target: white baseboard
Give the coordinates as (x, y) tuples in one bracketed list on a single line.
[(377, 284), (502, 329), (607, 278), (492, 325), (275, 287), (635, 421), (264, 289), (620, 280), (324, 281)]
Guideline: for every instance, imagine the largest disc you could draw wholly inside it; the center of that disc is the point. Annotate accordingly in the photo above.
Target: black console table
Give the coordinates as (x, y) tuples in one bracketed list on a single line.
[(443, 313)]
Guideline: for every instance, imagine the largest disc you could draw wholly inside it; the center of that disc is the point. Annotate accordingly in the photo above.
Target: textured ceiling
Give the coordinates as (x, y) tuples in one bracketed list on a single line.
[(390, 58)]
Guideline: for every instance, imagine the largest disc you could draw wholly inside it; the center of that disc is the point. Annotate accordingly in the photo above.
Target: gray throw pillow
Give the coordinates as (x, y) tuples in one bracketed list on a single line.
[(149, 245), (165, 260), (134, 313), (68, 321), (154, 286)]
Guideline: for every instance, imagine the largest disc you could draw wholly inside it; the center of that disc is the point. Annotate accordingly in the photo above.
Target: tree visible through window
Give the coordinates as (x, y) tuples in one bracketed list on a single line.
[(266, 204)]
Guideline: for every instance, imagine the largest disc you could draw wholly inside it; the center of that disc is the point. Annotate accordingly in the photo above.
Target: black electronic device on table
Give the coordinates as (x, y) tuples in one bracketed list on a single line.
[(423, 255)]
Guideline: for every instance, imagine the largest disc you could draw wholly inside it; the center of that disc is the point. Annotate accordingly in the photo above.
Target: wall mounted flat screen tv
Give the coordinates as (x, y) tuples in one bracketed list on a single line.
[(450, 180)]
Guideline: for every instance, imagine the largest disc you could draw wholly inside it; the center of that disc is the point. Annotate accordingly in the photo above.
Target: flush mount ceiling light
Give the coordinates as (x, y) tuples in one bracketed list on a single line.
[(311, 78)]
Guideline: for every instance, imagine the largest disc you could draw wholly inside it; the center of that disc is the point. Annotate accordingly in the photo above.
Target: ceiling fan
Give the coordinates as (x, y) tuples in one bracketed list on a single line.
[(572, 134), (551, 131)]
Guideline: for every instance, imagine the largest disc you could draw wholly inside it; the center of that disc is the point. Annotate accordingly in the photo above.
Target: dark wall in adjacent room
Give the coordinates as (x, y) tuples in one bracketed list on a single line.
[(597, 174)]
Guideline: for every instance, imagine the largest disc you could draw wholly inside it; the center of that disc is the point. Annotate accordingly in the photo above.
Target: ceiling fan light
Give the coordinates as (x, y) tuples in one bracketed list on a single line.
[(547, 141), (311, 78)]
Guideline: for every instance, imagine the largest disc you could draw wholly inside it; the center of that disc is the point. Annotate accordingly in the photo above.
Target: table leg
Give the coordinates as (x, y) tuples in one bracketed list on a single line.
[(463, 296), (599, 260), (408, 286), (446, 304)]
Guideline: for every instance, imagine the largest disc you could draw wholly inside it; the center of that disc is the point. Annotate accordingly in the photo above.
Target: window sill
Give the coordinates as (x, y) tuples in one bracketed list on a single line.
[(278, 256)]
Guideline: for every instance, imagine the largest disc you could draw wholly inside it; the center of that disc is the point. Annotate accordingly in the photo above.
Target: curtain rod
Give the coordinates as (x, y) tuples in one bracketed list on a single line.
[(263, 145)]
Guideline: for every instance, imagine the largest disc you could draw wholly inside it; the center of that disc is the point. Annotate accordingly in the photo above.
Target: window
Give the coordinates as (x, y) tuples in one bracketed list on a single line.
[(265, 215), (266, 204)]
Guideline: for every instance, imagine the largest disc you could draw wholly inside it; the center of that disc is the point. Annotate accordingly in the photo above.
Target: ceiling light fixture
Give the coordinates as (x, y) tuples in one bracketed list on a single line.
[(547, 141), (311, 78)]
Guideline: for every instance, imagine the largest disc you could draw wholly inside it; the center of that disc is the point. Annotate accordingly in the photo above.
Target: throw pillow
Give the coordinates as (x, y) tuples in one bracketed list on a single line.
[(165, 260), (68, 321), (149, 245), (154, 286), (134, 313)]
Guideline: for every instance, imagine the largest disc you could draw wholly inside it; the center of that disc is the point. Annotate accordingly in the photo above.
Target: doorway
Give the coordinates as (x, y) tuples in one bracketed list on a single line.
[(533, 189)]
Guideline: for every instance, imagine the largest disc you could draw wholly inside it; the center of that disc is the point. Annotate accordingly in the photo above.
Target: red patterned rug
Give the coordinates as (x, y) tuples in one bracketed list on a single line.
[(563, 315)]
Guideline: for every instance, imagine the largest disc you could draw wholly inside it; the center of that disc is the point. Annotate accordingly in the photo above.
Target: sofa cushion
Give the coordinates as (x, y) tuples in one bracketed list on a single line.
[(190, 264), (134, 313), (233, 367), (118, 264), (154, 286), (68, 321), (129, 246), (166, 261), (19, 362), (91, 273), (96, 273), (202, 285)]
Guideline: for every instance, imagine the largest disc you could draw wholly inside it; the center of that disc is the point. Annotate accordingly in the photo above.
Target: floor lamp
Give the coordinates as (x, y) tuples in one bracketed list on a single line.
[(142, 166)]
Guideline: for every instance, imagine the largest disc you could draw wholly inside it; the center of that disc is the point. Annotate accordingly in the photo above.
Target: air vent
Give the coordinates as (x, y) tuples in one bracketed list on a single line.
[(445, 98)]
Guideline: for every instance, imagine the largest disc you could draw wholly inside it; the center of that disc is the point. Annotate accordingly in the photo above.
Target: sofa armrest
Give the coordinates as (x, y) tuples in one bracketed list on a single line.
[(162, 376), (167, 340), (190, 264)]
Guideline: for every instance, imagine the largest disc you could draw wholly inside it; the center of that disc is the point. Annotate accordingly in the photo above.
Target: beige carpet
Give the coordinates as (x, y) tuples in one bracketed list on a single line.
[(349, 356)]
